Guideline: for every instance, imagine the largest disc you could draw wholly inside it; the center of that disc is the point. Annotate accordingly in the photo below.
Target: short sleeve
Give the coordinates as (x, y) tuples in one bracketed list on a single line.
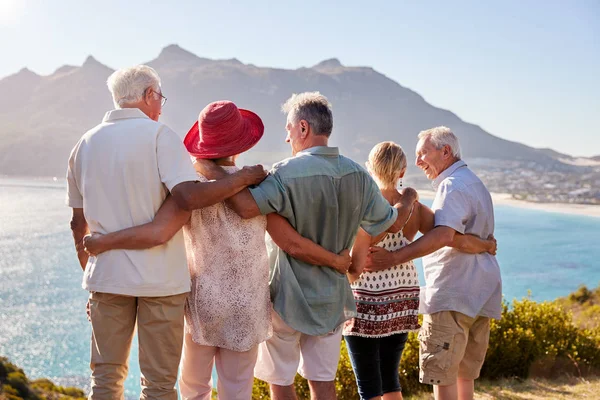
[(271, 196), (174, 163), (379, 214), (451, 208), (74, 196)]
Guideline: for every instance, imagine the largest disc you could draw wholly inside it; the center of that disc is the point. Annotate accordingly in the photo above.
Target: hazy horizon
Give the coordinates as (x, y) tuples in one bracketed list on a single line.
[(523, 72)]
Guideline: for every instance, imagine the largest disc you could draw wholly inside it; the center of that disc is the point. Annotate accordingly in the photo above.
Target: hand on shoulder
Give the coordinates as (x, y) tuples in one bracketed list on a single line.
[(409, 195)]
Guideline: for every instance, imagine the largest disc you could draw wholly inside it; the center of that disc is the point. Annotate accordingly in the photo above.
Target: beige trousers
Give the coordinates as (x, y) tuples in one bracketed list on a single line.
[(160, 337), (234, 371)]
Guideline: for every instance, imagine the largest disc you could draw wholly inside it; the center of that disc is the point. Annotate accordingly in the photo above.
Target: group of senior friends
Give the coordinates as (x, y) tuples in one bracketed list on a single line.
[(222, 292)]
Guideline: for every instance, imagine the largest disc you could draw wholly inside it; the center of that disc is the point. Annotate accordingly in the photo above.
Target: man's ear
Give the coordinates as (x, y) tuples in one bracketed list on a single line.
[(147, 94), (303, 129), (447, 151)]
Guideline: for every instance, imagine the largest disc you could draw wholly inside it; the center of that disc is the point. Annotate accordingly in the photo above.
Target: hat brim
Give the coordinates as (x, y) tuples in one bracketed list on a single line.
[(247, 137)]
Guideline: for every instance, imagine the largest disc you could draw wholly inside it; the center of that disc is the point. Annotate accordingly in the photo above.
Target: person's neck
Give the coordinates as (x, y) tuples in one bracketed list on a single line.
[(225, 162), (140, 105), (316, 140), (449, 163), (391, 194)]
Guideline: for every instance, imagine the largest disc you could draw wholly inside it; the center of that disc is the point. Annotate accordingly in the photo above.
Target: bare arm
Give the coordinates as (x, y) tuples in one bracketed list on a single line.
[(168, 221), (242, 202), (297, 246), (426, 218), (473, 244), (193, 195), (440, 236), (79, 228), (360, 251)]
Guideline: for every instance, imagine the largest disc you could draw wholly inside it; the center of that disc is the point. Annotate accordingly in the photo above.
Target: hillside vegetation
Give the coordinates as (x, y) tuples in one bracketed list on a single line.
[(537, 351)]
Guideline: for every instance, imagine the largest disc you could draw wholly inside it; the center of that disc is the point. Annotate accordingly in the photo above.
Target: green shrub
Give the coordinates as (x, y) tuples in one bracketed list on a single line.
[(539, 338), (6, 367), (19, 382), (44, 384), (10, 393), (72, 392), (582, 295)]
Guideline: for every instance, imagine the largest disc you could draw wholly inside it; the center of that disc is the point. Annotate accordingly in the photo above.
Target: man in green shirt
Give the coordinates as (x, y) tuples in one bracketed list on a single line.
[(326, 197)]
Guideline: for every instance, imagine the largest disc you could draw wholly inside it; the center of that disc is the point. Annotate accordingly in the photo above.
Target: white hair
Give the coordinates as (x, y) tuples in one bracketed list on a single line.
[(441, 136), (312, 107), (128, 85)]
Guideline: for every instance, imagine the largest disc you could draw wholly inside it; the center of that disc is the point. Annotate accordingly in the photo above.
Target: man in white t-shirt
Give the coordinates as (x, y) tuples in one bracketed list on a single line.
[(462, 291), (118, 176)]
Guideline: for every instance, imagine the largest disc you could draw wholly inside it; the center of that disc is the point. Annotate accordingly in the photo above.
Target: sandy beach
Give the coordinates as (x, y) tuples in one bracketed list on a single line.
[(564, 208)]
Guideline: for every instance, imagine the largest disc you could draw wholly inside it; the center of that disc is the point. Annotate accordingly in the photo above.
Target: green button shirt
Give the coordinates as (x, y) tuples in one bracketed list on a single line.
[(326, 197)]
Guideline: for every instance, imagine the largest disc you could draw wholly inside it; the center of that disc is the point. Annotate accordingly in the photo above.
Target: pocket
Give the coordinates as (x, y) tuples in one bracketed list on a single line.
[(436, 349)]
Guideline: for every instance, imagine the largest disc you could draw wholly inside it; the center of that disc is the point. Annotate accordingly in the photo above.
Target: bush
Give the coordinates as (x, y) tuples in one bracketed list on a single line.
[(19, 382), (10, 393), (6, 367), (16, 386), (538, 339), (582, 295), (47, 386)]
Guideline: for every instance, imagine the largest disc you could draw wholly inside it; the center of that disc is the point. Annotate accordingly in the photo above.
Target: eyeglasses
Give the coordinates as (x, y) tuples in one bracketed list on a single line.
[(163, 99)]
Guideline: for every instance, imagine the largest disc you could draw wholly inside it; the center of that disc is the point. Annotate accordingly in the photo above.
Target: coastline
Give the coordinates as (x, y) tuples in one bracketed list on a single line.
[(588, 210)]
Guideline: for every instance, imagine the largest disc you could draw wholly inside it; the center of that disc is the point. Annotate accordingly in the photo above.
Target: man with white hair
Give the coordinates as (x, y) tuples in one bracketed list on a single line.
[(326, 197), (462, 291), (119, 174)]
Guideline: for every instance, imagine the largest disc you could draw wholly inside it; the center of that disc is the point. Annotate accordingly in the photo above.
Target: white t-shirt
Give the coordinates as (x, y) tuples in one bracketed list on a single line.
[(455, 281), (120, 172)]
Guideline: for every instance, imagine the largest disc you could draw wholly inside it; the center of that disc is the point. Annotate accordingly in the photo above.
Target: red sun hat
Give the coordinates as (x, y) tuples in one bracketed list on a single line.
[(223, 130)]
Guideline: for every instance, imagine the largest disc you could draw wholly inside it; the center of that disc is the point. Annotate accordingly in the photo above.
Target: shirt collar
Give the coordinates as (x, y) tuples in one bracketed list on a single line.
[(123, 113), (321, 151), (447, 172)]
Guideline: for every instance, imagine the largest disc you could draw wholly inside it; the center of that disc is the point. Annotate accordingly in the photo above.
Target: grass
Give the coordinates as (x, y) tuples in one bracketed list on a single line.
[(532, 389)]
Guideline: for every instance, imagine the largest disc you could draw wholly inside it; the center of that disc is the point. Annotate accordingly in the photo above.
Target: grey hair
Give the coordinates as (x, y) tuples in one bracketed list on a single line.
[(441, 136), (312, 107), (127, 85)]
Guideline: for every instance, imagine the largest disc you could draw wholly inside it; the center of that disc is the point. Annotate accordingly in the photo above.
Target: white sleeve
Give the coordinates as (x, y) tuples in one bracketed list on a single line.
[(174, 163)]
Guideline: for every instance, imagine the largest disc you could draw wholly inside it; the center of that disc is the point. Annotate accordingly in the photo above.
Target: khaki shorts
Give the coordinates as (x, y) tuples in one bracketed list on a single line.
[(289, 351), (452, 345)]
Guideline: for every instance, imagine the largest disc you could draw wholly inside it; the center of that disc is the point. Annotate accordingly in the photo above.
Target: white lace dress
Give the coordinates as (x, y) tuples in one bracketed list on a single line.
[(229, 304)]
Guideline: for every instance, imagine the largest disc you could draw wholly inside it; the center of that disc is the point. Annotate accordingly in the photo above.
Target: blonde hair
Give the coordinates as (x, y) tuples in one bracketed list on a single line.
[(386, 161)]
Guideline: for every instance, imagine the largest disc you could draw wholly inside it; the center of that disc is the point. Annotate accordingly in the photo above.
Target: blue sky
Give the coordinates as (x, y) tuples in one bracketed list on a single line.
[(523, 70)]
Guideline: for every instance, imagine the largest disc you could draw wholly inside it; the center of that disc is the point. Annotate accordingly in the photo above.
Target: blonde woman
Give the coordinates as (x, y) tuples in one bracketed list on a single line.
[(387, 300)]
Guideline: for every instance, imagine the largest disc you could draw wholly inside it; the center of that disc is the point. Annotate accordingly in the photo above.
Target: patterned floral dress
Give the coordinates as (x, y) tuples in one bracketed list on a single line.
[(387, 301), (229, 304)]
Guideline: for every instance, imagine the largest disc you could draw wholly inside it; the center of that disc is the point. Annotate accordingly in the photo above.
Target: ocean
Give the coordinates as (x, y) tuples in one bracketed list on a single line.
[(43, 327)]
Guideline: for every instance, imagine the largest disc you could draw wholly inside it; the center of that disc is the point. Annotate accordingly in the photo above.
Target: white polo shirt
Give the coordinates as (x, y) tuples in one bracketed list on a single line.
[(455, 281), (120, 173)]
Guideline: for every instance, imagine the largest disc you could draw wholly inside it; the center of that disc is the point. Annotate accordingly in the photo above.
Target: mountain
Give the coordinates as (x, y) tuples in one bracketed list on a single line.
[(42, 117)]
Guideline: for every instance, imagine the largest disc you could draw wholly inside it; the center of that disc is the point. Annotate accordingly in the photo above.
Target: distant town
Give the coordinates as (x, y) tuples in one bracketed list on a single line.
[(533, 182)]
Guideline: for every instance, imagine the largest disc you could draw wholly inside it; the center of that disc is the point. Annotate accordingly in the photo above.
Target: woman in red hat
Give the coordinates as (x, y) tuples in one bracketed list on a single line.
[(228, 309)]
